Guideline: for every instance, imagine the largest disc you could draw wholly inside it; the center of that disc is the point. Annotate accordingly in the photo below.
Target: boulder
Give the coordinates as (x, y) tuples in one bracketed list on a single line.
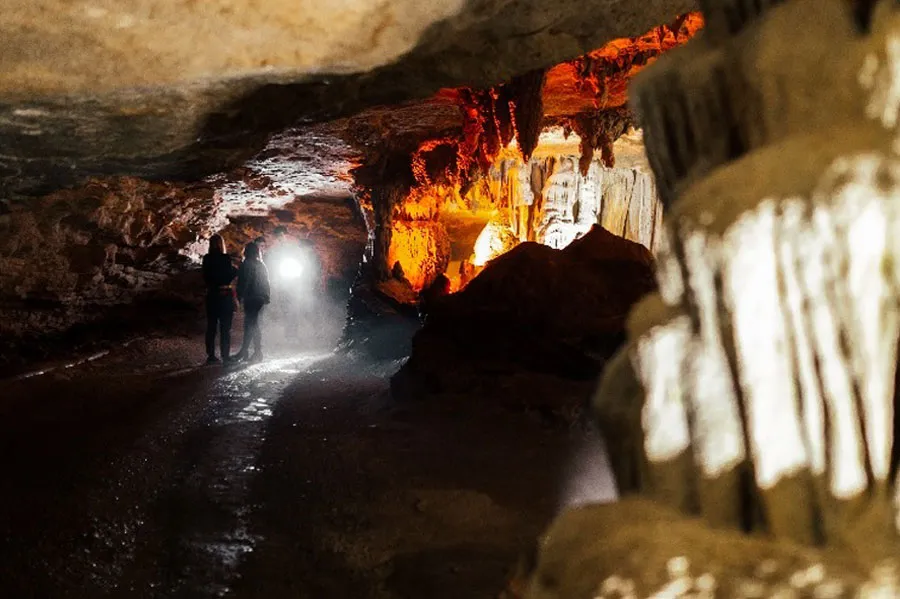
[(537, 325)]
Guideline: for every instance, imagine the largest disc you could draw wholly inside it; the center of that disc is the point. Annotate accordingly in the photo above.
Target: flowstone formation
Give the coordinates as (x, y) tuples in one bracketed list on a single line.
[(757, 390), (549, 200)]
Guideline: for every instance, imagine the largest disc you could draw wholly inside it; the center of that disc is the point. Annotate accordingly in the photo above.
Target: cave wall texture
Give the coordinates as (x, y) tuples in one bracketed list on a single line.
[(184, 89), (65, 257), (751, 419)]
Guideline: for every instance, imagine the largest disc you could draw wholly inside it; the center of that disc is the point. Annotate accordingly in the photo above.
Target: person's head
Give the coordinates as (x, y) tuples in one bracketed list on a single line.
[(279, 232), (260, 241), (251, 251), (216, 244)]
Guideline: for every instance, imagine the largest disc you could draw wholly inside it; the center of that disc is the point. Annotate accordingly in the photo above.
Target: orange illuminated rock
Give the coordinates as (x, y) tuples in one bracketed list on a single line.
[(600, 79), (577, 89), (422, 248), (461, 165)]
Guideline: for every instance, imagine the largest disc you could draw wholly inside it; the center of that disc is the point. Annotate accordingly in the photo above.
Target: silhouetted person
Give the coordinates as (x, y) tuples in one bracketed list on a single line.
[(253, 292), (218, 273), (261, 244)]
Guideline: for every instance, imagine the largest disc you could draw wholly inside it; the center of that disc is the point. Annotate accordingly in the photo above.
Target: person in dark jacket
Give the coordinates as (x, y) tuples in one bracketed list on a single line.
[(218, 273), (253, 292)]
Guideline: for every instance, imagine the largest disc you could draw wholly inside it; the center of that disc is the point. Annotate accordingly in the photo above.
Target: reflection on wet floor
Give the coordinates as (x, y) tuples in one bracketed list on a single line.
[(160, 504), (213, 542), (296, 477)]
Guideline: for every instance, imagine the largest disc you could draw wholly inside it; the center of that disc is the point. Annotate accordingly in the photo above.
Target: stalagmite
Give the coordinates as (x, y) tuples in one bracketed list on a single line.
[(771, 356)]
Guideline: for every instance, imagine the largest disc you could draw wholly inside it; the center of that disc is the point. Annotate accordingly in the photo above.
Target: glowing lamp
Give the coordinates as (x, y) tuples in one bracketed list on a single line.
[(290, 268)]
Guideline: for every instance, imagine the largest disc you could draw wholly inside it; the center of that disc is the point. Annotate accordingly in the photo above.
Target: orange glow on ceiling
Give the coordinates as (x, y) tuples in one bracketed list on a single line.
[(600, 79)]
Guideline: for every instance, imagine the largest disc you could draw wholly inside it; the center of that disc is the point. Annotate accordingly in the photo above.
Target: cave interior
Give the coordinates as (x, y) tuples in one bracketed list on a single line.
[(631, 261)]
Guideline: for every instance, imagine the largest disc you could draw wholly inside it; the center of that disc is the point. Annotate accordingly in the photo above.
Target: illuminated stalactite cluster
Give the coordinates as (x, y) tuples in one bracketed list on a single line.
[(492, 118), (599, 130), (599, 79), (590, 94), (547, 199), (488, 164), (550, 201)]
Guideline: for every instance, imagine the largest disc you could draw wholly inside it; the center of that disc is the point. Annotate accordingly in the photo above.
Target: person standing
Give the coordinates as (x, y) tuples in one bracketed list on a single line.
[(218, 274), (253, 292)]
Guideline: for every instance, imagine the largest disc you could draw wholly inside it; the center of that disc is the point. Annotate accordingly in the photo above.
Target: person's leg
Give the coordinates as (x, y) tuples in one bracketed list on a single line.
[(257, 335), (245, 341), (212, 319), (226, 317)]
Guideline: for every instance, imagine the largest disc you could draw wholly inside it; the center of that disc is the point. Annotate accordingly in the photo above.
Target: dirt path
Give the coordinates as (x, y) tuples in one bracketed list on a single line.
[(141, 475)]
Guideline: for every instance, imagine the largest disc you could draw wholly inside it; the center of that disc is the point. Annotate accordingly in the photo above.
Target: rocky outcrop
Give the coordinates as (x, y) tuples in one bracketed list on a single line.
[(536, 319), (758, 390), (639, 549), (68, 258)]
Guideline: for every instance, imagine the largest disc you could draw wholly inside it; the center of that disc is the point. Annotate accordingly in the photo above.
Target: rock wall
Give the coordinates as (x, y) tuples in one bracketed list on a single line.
[(65, 256), (128, 250)]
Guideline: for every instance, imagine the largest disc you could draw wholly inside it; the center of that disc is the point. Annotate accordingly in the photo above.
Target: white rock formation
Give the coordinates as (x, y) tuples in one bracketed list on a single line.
[(549, 201)]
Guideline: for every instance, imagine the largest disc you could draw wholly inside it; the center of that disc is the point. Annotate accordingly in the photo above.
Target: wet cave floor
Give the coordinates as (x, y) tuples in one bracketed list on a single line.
[(142, 474)]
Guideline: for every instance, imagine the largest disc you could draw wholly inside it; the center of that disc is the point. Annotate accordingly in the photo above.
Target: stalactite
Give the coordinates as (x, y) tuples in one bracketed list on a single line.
[(599, 130), (602, 75), (549, 201), (529, 109), (425, 174), (587, 132), (689, 125)]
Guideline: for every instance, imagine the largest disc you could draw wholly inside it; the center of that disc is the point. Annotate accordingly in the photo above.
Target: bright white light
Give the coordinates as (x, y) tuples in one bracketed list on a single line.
[(290, 268)]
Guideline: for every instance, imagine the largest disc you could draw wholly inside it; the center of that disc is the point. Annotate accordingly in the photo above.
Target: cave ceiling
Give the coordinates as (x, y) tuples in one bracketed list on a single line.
[(185, 89)]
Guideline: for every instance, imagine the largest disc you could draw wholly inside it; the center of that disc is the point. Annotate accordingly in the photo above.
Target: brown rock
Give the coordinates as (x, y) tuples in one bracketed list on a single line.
[(534, 313)]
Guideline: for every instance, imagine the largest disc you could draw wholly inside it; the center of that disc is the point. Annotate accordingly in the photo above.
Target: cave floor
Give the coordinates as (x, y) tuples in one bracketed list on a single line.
[(141, 474)]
